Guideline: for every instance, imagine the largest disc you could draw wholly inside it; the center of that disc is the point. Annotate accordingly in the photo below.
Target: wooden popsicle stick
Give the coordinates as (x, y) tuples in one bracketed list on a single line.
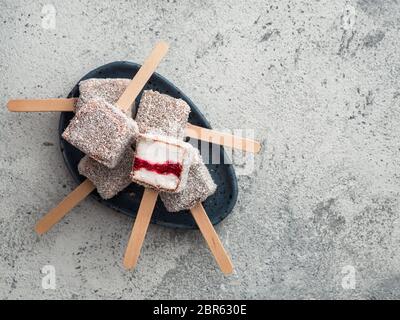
[(212, 239), (192, 131), (57, 213), (139, 229), (221, 138), (142, 76), (41, 105)]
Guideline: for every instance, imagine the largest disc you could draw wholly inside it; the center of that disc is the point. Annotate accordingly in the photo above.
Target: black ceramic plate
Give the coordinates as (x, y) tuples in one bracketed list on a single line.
[(218, 206)]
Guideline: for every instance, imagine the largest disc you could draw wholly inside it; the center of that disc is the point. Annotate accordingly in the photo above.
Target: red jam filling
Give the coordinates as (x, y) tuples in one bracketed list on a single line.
[(160, 168)]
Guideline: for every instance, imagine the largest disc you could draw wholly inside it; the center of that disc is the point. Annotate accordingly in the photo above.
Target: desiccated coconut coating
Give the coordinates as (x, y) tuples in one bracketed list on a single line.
[(108, 181), (102, 131), (108, 89), (162, 114), (199, 186)]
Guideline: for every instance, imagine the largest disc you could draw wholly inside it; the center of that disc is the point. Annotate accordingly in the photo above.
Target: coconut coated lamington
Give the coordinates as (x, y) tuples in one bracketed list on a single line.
[(108, 181), (101, 131), (162, 114)]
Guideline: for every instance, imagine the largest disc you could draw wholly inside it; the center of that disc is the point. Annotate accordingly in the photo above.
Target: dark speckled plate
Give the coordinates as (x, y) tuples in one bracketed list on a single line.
[(218, 206)]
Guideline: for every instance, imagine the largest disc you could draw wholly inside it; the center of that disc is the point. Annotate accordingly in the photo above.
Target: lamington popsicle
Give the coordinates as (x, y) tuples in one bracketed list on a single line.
[(164, 115), (157, 115), (102, 131), (162, 159), (109, 182)]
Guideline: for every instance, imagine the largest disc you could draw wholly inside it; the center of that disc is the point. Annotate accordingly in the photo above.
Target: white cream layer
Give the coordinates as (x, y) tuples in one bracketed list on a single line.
[(156, 151)]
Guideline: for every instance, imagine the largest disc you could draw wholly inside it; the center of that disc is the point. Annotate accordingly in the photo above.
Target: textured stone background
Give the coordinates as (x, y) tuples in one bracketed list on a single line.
[(322, 94)]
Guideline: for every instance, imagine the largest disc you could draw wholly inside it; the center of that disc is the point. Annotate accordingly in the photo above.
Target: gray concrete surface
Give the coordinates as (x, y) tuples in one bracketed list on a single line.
[(317, 80)]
